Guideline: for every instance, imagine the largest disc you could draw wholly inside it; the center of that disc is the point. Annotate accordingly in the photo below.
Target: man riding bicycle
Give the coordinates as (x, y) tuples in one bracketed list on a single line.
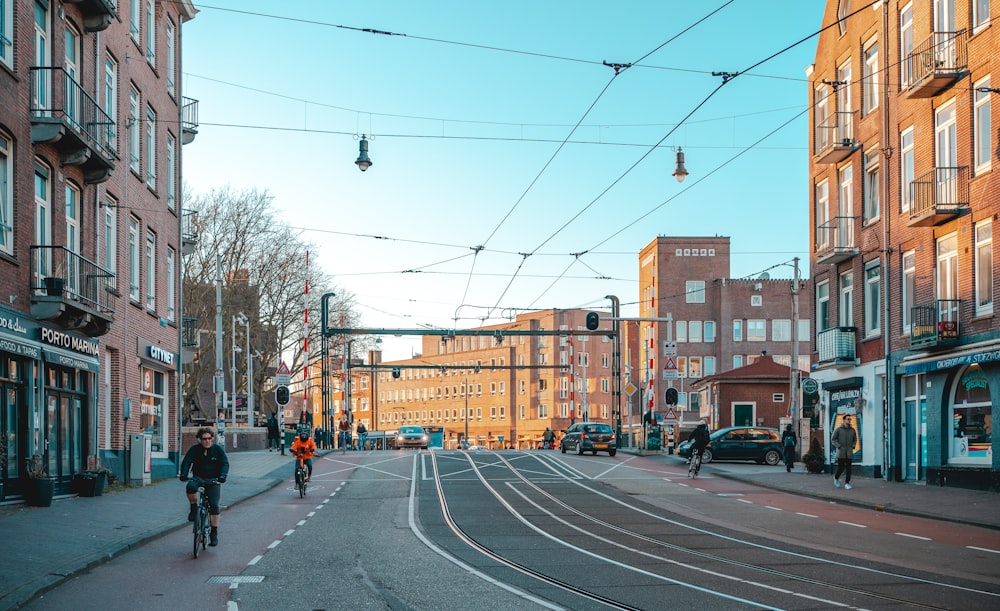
[(305, 448), (700, 437), (344, 432), (362, 436), (206, 460)]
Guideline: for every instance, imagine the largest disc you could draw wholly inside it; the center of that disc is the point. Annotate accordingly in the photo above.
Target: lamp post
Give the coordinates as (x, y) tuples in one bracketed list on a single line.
[(236, 349), (347, 382), (465, 440), (375, 358), (324, 380)]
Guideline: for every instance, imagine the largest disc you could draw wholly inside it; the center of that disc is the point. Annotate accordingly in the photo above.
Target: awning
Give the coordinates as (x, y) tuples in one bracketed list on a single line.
[(983, 353), (74, 360)]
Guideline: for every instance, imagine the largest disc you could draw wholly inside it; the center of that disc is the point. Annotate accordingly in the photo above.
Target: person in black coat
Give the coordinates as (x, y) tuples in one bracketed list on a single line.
[(788, 442), (206, 460)]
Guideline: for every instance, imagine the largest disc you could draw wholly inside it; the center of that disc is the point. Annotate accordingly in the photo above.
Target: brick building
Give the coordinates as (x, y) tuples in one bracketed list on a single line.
[(717, 323), (752, 395), (903, 198), (90, 138)]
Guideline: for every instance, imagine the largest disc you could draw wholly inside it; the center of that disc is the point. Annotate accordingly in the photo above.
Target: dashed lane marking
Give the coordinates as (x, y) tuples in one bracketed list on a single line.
[(914, 536)]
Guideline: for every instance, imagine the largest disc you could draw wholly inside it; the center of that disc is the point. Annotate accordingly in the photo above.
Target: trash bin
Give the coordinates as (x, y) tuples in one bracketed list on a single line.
[(654, 440)]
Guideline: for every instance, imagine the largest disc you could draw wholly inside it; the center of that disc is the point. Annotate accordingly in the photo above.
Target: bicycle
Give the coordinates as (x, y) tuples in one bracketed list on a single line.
[(695, 465), (301, 477), (344, 439), (202, 522)]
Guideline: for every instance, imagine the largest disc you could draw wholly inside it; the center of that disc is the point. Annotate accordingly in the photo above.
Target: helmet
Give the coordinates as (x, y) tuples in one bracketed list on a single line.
[(304, 436)]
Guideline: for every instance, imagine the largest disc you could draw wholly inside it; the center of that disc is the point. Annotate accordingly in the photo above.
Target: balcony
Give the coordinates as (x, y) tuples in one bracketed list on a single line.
[(841, 230), (71, 291), (67, 117), (834, 138), (939, 196), (189, 231), (97, 14), (189, 120), (836, 346), (935, 326), (936, 63)]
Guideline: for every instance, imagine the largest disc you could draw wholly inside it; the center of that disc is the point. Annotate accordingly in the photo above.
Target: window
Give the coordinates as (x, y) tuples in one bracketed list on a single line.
[(869, 82), (150, 148), (109, 236), (172, 286), (43, 220), (682, 366), (843, 10), (171, 50), (947, 278), (694, 367), (971, 417), (870, 203), (709, 331), (822, 215), (135, 11), (543, 411), (873, 299), (756, 330), (7, 32), (906, 169), (6, 194), (846, 309), (821, 120), (694, 291), (40, 92), (905, 46), (737, 361), (845, 108), (908, 265), (133, 260), (152, 398), (111, 99), (72, 271), (980, 13), (151, 271), (681, 335), (804, 334), (982, 126), (133, 130), (822, 305), (737, 330), (845, 207), (984, 268), (150, 33), (710, 365), (946, 155), (781, 330), (694, 331)]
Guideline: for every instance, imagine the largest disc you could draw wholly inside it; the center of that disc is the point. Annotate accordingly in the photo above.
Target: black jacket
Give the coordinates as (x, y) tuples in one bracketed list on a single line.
[(205, 463), (700, 436)]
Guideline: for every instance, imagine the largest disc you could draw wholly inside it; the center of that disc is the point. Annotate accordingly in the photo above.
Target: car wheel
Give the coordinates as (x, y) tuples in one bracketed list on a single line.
[(706, 456), (562, 446), (594, 452), (579, 449), (612, 452), (772, 457)]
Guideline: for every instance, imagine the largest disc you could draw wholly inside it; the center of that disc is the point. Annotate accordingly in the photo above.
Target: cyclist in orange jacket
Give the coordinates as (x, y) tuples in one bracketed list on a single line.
[(305, 448)]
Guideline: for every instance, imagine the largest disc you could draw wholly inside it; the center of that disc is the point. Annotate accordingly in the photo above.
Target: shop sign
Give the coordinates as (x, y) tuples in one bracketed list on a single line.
[(159, 354), (75, 343)]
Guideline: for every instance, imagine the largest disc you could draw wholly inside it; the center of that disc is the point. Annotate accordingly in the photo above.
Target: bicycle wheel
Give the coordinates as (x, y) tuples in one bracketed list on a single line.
[(199, 530), (300, 478)]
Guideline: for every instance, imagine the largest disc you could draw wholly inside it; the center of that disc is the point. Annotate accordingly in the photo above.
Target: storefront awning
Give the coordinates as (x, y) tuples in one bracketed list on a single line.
[(64, 358), (984, 353)]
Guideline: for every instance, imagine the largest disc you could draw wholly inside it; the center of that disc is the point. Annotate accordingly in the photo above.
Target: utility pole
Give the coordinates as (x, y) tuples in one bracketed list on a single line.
[(793, 394), (220, 381)]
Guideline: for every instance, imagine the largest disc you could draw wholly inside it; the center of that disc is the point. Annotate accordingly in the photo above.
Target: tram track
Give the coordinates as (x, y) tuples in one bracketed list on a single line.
[(540, 500)]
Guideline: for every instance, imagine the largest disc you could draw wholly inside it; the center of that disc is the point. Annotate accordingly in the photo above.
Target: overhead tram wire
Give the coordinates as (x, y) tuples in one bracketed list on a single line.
[(727, 77)]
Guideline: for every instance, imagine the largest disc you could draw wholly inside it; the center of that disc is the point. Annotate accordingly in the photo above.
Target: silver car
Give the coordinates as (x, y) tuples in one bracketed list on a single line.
[(412, 437)]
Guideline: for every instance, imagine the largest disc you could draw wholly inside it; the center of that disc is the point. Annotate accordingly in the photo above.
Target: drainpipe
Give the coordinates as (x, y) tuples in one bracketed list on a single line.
[(887, 404)]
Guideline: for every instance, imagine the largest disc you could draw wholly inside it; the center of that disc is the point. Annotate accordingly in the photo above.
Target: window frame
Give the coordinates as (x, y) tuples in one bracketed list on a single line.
[(756, 330), (869, 77), (873, 299), (694, 291), (150, 148), (905, 46), (134, 263), (822, 306), (150, 271), (821, 217), (984, 270), (871, 193), (6, 193), (982, 126), (845, 309), (907, 154), (908, 280)]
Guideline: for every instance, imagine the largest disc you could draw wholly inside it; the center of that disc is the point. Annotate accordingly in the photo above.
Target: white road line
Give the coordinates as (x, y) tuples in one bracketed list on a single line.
[(701, 490), (310, 514), (682, 484), (274, 544), (851, 524), (805, 515), (745, 501), (984, 549), (301, 522), (254, 560), (773, 508), (914, 536), (288, 532)]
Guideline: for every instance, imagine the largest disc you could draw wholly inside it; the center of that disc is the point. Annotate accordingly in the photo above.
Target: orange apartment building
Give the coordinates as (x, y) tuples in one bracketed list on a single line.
[(904, 195)]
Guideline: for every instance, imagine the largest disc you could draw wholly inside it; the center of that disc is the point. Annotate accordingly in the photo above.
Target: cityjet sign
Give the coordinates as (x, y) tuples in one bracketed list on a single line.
[(159, 354), (69, 342)]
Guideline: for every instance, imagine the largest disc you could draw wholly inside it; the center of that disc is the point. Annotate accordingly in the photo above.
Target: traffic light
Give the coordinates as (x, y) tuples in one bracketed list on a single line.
[(671, 396), (593, 321), (281, 395), (395, 372)]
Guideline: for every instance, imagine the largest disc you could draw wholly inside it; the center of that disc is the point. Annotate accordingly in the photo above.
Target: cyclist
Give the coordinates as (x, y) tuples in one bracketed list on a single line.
[(700, 438), (344, 432), (304, 448), (362, 436), (206, 460)]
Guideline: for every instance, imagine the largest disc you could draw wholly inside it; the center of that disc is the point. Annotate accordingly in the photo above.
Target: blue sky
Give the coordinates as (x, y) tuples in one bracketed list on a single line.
[(497, 125)]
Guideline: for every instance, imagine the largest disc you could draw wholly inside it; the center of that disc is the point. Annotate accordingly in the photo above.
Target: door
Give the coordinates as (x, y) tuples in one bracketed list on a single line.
[(743, 414), (72, 89), (944, 33), (946, 156)]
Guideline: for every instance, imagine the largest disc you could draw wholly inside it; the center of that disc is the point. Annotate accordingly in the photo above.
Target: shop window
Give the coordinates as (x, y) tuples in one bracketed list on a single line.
[(972, 419)]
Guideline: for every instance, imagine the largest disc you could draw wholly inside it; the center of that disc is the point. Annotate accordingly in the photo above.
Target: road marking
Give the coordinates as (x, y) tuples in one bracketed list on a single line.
[(851, 524), (805, 515), (745, 501), (701, 490), (254, 560), (914, 536), (310, 514), (301, 522), (774, 508), (288, 532), (983, 549), (274, 544)]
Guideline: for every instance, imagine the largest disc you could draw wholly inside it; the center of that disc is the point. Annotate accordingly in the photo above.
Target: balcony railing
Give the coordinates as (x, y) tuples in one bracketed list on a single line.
[(189, 332), (189, 231), (939, 196), (189, 120), (82, 279), (834, 138), (936, 63), (63, 113), (935, 325), (836, 345), (841, 231)]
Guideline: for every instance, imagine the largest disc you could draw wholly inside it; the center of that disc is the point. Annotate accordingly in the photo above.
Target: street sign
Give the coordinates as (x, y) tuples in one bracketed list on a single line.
[(669, 348), (670, 368), (283, 376), (810, 386), (670, 418), (630, 388)]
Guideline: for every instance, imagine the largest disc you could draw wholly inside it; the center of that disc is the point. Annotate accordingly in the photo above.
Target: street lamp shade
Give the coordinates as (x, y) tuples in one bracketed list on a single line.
[(681, 172), (363, 161)]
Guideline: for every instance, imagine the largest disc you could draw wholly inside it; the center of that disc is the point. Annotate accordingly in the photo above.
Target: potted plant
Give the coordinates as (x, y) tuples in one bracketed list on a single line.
[(814, 459), (100, 477), (54, 286), (40, 485)]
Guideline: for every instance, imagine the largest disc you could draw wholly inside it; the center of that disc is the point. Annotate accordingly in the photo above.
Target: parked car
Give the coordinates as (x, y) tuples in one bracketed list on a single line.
[(590, 437), (759, 444), (412, 437)]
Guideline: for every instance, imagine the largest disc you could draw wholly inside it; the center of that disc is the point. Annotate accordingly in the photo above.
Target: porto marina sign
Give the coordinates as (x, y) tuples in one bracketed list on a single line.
[(59, 339)]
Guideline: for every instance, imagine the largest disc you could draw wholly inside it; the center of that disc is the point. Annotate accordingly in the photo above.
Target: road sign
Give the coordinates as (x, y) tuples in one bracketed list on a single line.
[(670, 418), (669, 348), (630, 388), (670, 368), (283, 376), (810, 386)]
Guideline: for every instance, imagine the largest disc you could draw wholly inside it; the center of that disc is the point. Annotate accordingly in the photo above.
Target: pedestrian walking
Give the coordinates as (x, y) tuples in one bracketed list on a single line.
[(844, 438), (788, 442), (548, 437), (272, 433)]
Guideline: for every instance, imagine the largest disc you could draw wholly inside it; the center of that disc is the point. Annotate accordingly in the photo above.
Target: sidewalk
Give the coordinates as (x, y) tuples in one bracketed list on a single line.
[(45, 546), (973, 507)]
